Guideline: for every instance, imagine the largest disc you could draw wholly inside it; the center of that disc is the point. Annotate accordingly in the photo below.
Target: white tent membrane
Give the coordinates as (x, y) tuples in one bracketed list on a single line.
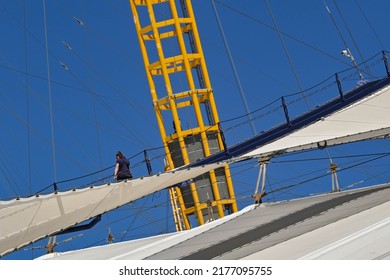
[(25, 220), (348, 225), (366, 119)]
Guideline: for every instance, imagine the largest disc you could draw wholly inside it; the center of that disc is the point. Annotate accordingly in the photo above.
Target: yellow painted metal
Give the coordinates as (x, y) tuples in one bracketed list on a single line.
[(176, 209), (158, 31)]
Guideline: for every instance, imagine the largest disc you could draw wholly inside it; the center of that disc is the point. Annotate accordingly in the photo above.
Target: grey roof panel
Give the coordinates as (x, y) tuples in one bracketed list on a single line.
[(274, 223), (351, 224)]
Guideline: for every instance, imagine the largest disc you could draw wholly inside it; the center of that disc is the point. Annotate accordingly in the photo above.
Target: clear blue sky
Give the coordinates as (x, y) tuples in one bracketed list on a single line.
[(101, 101)]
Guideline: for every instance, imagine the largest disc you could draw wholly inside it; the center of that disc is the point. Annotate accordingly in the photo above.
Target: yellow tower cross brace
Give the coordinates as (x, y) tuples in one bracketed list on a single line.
[(173, 56)]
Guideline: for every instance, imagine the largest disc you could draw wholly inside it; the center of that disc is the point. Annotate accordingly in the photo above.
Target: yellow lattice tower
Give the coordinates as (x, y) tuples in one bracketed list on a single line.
[(182, 94)]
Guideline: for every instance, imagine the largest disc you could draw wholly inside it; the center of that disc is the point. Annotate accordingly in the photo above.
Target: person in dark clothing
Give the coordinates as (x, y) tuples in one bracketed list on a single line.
[(122, 168)]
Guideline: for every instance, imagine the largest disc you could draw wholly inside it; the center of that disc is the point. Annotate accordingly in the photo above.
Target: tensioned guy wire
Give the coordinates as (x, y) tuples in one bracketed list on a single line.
[(287, 54), (49, 90)]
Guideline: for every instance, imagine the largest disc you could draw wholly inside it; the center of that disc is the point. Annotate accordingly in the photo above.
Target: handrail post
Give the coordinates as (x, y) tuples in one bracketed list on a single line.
[(223, 138), (147, 161), (286, 111), (386, 63), (339, 86)]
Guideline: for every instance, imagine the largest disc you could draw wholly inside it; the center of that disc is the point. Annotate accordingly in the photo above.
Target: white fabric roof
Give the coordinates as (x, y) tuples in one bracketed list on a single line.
[(366, 119), (29, 219), (345, 225)]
